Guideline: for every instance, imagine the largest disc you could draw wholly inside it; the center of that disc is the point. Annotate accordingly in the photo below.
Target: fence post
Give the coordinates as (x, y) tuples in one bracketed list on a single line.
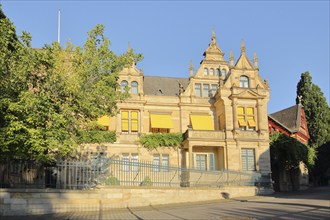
[(65, 174)]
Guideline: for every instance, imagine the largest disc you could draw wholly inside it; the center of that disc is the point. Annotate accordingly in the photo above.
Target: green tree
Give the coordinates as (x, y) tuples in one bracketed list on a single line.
[(51, 98), (317, 110)]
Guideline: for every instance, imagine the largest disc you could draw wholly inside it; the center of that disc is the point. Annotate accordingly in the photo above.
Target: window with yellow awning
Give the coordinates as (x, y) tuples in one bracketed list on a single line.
[(202, 122)]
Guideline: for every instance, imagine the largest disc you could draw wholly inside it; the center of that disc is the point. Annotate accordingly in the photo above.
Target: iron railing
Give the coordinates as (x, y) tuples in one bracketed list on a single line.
[(102, 171)]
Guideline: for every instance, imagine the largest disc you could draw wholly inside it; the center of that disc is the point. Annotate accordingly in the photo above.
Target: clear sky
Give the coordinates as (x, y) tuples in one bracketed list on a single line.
[(289, 37)]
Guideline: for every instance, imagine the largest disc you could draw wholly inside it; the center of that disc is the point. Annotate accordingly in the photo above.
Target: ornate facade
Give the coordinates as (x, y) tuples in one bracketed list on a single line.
[(221, 109)]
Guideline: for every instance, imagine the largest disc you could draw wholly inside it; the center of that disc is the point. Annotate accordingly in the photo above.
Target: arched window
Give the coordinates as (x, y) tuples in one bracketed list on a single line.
[(223, 72), (211, 72), (244, 82), (218, 72), (134, 87), (206, 71), (123, 84)]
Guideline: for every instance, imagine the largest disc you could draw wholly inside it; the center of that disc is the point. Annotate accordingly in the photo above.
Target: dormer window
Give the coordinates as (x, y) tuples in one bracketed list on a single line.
[(206, 71), (224, 72), (134, 87), (244, 82), (123, 85), (211, 72), (218, 72)]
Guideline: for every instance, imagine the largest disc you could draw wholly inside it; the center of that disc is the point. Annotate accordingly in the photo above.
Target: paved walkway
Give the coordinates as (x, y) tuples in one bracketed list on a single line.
[(310, 204)]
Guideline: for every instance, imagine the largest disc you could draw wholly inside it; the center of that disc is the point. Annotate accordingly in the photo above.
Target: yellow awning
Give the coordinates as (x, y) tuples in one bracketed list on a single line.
[(104, 120), (202, 122), (250, 111), (240, 111), (241, 121), (161, 121), (251, 121), (124, 114), (134, 125)]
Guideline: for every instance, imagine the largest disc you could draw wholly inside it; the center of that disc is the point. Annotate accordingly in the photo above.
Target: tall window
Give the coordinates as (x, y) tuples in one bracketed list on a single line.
[(198, 90), (134, 87), (201, 162), (156, 163), (214, 89), (130, 163), (244, 82), (248, 160), (135, 162), (134, 121), (211, 72), (206, 90), (250, 118), (125, 160), (123, 85), (246, 118), (129, 121), (218, 72), (211, 162), (206, 71), (161, 162), (204, 161), (224, 72), (165, 162)]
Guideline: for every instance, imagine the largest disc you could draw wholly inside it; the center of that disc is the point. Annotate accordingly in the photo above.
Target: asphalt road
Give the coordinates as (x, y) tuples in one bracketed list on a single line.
[(309, 204)]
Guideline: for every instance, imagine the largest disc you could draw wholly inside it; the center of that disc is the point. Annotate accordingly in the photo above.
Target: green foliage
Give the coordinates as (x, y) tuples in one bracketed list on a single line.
[(146, 182), (317, 110), (287, 153), (96, 136), (112, 181), (321, 170), (152, 141), (49, 97)]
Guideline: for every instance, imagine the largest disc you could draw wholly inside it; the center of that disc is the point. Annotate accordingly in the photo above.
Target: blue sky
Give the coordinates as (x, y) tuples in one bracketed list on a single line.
[(289, 37)]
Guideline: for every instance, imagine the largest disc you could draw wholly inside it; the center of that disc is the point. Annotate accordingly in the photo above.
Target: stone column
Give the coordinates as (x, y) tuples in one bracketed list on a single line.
[(259, 115), (234, 106)]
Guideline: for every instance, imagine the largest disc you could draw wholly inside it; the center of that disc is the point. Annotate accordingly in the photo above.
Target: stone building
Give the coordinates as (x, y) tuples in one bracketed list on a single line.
[(221, 109)]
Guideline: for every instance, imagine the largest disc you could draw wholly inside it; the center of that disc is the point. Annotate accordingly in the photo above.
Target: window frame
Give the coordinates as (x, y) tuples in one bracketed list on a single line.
[(198, 87), (248, 165), (123, 85), (244, 82), (218, 72), (134, 88), (206, 90), (131, 121), (206, 71), (209, 161), (214, 89), (245, 119), (223, 72), (212, 72), (161, 162)]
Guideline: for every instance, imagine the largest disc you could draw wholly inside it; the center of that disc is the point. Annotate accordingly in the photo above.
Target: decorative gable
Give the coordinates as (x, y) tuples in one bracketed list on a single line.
[(243, 61)]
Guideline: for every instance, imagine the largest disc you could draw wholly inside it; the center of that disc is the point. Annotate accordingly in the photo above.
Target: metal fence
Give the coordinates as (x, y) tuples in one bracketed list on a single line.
[(86, 174)]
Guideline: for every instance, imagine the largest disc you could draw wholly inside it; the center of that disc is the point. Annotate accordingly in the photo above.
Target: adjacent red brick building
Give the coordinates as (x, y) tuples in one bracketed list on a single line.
[(291, 122)]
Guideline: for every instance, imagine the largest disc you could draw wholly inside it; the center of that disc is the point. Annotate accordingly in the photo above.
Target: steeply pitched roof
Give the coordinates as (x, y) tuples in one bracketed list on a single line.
[(243, 61), (163, 86), (289, 117)]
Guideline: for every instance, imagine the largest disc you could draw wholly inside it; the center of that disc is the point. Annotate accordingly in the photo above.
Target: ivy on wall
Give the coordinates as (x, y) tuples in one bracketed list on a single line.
[(96, 136), (152, 141)]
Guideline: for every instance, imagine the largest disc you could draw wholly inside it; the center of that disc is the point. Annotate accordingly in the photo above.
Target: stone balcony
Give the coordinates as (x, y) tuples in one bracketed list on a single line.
[(204, 135)]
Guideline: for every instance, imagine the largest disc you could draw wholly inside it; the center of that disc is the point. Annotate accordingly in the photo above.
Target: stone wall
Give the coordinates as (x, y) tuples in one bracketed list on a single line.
[(44, 201)]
